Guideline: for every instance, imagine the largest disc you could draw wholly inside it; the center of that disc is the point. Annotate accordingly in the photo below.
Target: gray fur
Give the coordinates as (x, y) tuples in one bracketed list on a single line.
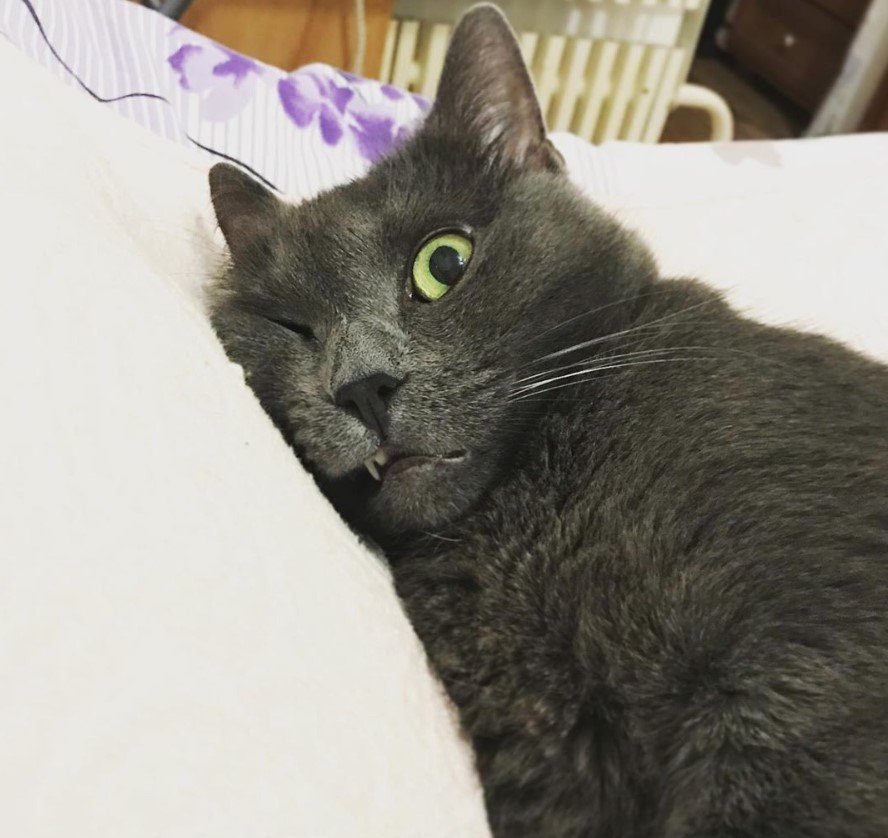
[(657, 591)]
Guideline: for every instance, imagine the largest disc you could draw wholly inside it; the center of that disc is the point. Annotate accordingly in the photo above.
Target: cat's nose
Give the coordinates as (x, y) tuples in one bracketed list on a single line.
[(368, 398)]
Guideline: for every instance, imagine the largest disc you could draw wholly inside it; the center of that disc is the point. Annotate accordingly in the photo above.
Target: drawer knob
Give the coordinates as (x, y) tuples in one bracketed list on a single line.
[(789, 40)]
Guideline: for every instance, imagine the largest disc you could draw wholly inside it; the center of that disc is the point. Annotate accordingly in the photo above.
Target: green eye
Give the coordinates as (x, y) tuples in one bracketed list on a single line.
[(440, 265)]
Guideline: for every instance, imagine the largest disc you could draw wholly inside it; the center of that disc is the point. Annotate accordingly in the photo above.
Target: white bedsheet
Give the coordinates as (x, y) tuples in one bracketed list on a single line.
[(795, 232), (191, 643)]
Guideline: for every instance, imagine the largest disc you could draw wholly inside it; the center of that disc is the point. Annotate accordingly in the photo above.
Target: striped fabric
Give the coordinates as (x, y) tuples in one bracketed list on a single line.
[(300, 132)]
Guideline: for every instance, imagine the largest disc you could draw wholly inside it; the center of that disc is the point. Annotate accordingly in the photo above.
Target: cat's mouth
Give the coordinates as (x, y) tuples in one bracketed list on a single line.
[(390, 460)]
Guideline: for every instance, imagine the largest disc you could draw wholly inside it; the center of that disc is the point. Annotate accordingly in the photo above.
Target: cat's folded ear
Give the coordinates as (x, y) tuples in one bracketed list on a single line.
[(486, 94), (246, 211)]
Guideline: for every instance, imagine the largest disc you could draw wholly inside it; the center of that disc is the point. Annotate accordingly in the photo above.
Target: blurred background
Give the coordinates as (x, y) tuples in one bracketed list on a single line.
[(644, 70)]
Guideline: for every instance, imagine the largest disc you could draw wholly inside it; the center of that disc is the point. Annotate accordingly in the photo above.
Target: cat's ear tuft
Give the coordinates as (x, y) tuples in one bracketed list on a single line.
[(486, 93), (245, 210)]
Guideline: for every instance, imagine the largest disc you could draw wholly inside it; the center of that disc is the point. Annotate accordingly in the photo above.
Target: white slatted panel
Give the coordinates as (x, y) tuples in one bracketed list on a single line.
[(545, 68), (669, 84), (433, 57), (387, 64), (528, 42), (599, 88), (600, 82), (643, 100), (572, 84), (624, 84), (405, 68)]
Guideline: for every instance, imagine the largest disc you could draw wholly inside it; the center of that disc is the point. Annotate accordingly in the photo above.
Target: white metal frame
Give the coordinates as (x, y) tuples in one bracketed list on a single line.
[(603, 69)]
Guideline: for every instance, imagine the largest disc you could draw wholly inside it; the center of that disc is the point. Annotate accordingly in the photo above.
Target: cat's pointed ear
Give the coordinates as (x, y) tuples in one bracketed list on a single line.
[(245, 210), (486, 93)]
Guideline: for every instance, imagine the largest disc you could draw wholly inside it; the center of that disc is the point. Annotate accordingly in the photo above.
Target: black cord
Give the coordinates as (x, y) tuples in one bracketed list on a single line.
[(107, 100), (171, 8), (174, 8)]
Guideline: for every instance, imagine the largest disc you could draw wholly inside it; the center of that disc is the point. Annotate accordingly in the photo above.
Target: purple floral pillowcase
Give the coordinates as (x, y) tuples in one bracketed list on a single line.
[(300, 132), (334, 101)]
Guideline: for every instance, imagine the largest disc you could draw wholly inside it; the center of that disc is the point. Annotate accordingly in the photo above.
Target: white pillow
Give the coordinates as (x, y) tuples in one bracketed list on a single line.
[(191, 641)]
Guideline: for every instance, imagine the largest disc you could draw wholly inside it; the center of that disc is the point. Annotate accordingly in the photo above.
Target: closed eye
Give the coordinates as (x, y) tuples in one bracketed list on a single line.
[(300, 329)]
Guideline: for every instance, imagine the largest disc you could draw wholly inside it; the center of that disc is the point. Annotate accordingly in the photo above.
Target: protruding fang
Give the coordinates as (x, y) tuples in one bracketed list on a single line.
[(370, 463)]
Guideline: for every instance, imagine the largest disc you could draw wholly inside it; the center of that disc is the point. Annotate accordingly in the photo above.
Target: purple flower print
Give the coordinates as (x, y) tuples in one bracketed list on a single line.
[(178, 60), (374, 135), (224, 80), (307, 95), (347, 111), (312, 96), (237, 66), (392, 92)]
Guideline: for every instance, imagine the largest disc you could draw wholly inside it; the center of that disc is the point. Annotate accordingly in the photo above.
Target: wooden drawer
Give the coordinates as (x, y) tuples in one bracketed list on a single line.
[(848, 11), (876, 116), (796, 45)]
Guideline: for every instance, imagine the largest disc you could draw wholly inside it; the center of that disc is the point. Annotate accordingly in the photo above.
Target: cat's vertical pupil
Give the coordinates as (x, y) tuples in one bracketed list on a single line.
[(446, 265)]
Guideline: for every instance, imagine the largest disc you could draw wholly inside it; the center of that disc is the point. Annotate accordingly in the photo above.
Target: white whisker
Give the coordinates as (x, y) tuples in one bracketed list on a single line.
[(613, 358), (597, 310), (533, 389), (440, 537), (642, 326)]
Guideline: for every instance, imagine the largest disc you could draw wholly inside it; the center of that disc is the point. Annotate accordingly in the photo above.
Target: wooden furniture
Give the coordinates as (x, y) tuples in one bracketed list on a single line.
[(796, 45), (291, 33), (876, 116)]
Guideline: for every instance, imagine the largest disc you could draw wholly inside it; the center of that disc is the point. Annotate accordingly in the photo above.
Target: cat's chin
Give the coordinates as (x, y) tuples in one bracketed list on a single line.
[(414, 494), (422, 496)]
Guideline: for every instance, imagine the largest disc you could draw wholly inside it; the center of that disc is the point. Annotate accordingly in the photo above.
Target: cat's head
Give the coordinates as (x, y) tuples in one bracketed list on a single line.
[(387, 324)]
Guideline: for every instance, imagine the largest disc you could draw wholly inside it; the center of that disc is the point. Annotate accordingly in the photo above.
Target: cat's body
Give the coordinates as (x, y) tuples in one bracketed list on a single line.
[(631, 653), (644, 540)]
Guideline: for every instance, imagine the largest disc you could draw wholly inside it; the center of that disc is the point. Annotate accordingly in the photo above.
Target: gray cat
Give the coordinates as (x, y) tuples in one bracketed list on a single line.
[(643, 539)]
